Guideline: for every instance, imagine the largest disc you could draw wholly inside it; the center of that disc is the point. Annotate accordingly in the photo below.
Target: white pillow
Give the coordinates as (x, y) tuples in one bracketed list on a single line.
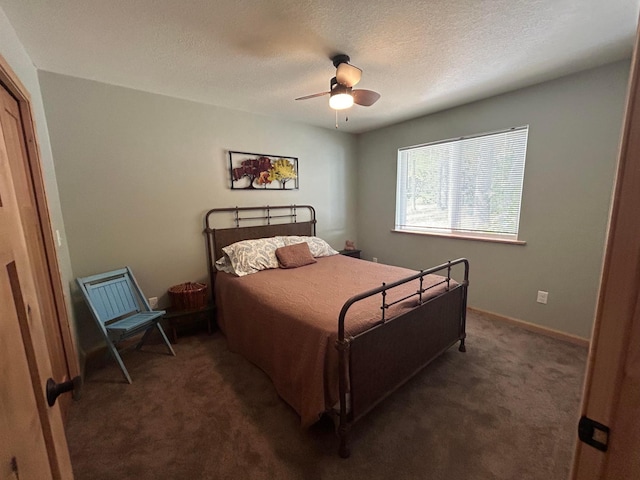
[(251, 256), (223, 264), (317, 246)]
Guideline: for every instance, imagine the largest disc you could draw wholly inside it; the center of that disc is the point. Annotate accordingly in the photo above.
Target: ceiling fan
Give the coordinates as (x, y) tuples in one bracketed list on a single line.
[(342, 94)]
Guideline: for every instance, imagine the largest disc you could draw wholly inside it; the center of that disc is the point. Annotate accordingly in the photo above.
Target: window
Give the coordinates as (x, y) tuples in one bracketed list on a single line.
[(470, 186)]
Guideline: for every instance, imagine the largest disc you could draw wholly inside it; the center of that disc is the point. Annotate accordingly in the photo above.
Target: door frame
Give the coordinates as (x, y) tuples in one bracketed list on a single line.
[(13, 84), (611, 387)]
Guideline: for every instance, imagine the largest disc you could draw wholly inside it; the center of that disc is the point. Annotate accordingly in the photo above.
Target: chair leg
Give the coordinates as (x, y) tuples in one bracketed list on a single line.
[(166, 340), (116, 356), (144, 338)]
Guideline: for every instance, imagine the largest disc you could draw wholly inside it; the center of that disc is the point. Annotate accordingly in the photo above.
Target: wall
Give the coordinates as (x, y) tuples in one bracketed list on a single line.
[(574, 130), (137, 171), (14, 53)]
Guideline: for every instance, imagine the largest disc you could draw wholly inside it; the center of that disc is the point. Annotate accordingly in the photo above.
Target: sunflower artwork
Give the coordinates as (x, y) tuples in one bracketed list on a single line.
[(254, 171)]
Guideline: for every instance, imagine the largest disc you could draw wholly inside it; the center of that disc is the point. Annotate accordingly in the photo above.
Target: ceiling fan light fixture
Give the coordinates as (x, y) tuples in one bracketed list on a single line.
[(341, 97), (340, 101)]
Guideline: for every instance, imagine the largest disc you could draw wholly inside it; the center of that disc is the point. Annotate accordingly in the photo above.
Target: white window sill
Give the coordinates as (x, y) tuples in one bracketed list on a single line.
[(464, 237)]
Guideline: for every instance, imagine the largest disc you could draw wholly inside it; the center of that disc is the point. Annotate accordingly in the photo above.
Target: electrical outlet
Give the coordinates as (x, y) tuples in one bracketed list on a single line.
[(542, 297), (375, 259), (153, 302)]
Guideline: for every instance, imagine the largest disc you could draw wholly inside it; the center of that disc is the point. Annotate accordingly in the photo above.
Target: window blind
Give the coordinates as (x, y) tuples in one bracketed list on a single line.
[(469, 185)]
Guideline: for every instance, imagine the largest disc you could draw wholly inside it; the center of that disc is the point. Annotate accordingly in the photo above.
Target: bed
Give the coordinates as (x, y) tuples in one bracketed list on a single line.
[(340, 334)]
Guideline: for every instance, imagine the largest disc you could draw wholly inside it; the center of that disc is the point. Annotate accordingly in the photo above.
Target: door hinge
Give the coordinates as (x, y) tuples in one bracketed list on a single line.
[(593, 433)]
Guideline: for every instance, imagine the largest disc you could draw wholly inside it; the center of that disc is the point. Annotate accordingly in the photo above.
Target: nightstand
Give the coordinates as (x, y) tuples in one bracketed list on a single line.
[(351, 253), (180, 318)]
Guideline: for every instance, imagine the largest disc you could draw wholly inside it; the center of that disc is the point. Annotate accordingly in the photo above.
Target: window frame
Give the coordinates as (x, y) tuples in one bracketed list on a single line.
[(452, 233)]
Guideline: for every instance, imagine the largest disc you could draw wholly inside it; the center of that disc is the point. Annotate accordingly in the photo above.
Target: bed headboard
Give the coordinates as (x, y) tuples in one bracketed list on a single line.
[(224, 226)]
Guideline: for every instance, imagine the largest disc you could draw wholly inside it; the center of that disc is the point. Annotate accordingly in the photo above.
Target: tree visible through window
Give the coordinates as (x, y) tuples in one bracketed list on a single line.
[(470, 185)]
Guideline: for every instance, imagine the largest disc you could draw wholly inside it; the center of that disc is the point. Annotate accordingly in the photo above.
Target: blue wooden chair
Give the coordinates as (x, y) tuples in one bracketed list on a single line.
[(121, 310)]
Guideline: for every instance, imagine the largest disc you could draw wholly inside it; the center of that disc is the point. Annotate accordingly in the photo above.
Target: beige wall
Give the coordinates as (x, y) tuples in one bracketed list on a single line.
[(574, 130), (14, 53), (137, 171)]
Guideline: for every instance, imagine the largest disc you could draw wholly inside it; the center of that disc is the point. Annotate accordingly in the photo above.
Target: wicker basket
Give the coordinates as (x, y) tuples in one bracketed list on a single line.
[(188, 296)]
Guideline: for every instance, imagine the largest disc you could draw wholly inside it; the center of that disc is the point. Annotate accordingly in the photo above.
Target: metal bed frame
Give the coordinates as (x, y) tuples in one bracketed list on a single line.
[(376, 362)]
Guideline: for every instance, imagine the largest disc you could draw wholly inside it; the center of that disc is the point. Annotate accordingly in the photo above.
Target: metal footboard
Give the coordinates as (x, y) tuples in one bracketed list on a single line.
[(378, 361)]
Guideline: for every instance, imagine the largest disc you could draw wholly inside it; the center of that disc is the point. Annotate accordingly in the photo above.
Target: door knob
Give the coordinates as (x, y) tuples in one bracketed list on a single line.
[(56, 389)]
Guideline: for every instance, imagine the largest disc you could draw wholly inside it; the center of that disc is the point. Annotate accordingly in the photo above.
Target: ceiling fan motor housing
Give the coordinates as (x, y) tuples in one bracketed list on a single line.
[(340, 58), (338, 88)]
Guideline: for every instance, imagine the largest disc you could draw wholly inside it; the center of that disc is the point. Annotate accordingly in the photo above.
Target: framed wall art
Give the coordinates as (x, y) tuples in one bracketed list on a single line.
[(257, 171)]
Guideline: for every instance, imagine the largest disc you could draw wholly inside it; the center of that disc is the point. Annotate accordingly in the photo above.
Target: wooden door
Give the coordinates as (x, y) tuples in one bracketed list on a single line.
[(32, 440), (612, 387), (23, 182)]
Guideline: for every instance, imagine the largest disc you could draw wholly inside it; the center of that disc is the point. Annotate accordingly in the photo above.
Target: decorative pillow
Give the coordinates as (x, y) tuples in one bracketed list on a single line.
[(251, 256), (317, 246), (294, 256)]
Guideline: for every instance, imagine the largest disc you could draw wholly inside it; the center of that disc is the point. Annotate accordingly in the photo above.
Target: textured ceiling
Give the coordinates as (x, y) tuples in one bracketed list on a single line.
[(257, 56)]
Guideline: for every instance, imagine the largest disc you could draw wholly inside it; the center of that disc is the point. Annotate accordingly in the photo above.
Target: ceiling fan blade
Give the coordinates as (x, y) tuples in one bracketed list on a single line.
[(366, 98), (313, 96), (348, 75)]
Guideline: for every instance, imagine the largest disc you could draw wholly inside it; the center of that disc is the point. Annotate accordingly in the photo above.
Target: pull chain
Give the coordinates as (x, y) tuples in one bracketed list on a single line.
[(346, 118)]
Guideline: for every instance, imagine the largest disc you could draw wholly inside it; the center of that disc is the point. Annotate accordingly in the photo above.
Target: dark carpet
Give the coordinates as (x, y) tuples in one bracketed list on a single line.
[(505, 409)]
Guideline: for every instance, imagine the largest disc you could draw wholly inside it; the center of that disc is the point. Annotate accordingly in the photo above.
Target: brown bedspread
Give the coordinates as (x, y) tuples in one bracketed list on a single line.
[(286, 321)]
